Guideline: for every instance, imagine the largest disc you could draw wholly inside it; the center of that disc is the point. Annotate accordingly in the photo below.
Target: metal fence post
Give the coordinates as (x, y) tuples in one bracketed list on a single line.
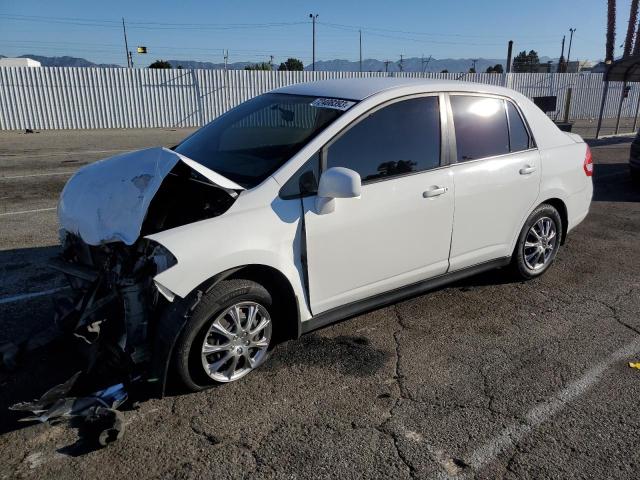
[(624, 87), (605, 90)]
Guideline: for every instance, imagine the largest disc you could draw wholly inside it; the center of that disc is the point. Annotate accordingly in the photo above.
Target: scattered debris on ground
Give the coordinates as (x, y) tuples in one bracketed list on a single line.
[(103, 423)]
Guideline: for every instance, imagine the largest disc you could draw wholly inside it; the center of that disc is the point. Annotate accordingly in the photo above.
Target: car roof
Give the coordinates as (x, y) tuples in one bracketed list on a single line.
[(361, 88)]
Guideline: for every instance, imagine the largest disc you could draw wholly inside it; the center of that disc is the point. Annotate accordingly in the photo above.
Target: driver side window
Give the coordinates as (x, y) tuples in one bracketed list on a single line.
[(399, 139)]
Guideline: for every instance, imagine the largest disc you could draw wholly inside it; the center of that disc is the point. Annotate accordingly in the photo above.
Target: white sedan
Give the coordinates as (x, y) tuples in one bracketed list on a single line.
[(307, 205)]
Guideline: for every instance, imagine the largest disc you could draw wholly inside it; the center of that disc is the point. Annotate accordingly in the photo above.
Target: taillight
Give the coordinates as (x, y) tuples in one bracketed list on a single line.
[(588, 163)]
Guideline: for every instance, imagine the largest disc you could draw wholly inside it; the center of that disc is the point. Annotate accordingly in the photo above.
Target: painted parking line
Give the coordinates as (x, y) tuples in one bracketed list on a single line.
[(512, 434), (13, 177), (20, 212), (27, 296), (58, 154)]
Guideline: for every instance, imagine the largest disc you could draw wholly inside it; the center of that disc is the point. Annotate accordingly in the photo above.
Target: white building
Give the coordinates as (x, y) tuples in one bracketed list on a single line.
[(19, 62)]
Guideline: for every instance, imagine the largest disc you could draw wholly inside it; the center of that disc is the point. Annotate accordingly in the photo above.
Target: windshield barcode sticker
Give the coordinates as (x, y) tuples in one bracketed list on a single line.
[(335, 103)]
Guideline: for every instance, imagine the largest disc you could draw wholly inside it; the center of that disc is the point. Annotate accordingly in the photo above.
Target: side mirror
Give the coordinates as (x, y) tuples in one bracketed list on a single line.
[(336, 182)]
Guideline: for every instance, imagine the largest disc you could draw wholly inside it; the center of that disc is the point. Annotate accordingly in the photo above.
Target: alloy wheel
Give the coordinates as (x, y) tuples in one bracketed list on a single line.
[(540, 243), (236, 342)]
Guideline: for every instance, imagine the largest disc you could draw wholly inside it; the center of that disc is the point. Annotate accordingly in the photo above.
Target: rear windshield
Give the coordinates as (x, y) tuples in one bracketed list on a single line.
[(250, 142)]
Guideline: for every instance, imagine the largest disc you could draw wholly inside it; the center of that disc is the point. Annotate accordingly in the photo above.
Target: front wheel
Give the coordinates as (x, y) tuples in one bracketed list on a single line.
[(228, 335), (538, 242)]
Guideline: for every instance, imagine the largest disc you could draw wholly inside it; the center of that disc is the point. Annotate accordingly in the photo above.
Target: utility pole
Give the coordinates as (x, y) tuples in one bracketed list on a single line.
[(226, 58), (313, 58), (571, 30), (509, 53), (561, 56), (386, 66), (426, 64), (270, 62), (126, 45), (474, 61), (401, 65), (422, 63), (360, 32)]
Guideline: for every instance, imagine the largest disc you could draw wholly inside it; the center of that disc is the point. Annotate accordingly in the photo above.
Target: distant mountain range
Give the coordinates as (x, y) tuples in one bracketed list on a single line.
[(372, 65), (369, 65), (64, 61)]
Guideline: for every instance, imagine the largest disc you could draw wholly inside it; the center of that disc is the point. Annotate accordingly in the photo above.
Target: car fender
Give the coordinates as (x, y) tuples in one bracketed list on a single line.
[(269, 235)]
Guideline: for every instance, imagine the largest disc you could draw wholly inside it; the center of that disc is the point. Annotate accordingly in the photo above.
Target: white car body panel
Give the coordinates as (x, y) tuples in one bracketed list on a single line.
[(350, 252), (256, 230), (492, 201), (377, 242)]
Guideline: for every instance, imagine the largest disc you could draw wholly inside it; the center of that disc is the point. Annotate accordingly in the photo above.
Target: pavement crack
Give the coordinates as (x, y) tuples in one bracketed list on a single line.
[(394, 440), (614, 310), (397, 374), (486, 391), (209, 437)]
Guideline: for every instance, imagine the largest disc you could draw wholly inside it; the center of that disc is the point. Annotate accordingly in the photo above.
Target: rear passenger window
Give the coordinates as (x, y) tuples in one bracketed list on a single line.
[(481, 127), (518, 134), (401, 138)]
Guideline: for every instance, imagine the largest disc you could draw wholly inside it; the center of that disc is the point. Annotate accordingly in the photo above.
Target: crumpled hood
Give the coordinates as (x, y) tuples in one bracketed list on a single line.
[(107, 201)]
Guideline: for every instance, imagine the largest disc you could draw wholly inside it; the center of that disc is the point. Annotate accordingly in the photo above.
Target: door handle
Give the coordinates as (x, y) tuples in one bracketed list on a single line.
[(434, 191), (527, 170)]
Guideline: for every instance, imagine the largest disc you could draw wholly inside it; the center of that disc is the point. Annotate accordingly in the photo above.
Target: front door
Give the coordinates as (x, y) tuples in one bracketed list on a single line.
[(398, 232)]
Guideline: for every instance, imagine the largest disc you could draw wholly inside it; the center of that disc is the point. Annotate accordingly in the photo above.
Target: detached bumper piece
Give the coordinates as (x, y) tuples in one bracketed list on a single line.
[(103, 424), (106, 316)]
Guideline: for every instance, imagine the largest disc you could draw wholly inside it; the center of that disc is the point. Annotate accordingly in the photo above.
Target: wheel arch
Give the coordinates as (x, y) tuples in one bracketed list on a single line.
[(276, 283), (561, 207), (174, 316)]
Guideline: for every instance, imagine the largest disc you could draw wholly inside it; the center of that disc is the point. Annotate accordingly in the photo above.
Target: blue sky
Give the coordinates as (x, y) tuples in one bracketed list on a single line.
[(252, 30)]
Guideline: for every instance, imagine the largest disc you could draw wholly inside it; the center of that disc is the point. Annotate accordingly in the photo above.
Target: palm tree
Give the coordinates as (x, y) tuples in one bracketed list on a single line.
[(631, 28), (611, 30)]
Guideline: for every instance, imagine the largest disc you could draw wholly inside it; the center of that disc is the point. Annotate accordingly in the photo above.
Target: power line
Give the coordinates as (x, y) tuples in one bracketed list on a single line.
[(418, 40), (432, 34), (144, 25)]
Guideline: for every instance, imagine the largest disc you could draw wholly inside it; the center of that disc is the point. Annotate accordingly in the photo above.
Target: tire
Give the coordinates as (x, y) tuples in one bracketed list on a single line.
[(532, 261), (244, 347)]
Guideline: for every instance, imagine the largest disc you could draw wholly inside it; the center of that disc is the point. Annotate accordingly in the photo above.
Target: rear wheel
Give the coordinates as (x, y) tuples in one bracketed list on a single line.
[(228, 334), (538, 242)]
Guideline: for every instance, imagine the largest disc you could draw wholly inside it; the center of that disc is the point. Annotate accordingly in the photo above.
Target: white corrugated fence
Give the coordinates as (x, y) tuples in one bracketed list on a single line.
[(84, 98)]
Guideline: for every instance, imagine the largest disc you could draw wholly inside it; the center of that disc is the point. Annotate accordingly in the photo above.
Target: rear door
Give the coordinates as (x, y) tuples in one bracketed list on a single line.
[(399, 231), (496, 176)]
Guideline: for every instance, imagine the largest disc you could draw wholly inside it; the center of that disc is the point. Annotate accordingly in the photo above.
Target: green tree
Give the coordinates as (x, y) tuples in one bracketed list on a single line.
[(259, 66), (291, 65), (444, 71), (526, 62), (160, 64), (497, 68), (472, 70)]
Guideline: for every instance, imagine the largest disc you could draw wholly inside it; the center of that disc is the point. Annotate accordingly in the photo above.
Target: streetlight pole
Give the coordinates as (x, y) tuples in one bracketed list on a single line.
[(126, 46), (313, 58), (571, 30), (360, 32)]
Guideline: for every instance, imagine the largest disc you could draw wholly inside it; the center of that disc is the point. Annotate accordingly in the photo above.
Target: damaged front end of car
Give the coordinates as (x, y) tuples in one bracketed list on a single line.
[(112, 302), (106, 210)]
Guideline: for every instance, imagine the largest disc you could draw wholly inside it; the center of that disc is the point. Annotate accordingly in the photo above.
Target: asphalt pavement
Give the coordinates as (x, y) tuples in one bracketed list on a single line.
[(487, 378)]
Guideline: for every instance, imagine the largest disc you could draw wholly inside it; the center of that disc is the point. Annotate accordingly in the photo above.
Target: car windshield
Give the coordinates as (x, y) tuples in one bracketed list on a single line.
[(253, 140)]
